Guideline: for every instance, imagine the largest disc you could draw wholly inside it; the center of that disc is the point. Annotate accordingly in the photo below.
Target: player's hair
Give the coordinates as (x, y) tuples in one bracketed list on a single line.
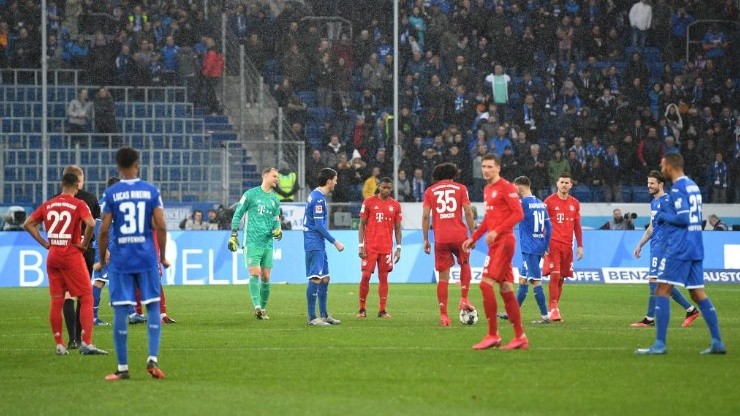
[(325, 175), (675, 160), (523, 181), (126, 157), (492, 156), (444, 171), (112, 181), (70, 180), (385, 179), (73, 169), (565, 175), (657, 175), (267, 170)]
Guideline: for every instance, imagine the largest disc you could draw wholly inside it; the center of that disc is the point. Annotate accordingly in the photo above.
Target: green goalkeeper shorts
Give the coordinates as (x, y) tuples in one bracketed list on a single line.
[(258, 257)]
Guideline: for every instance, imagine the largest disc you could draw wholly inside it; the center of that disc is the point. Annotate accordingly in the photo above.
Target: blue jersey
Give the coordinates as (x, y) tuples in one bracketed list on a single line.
[(132, 202), (658, 237), (535, 229), (683, 233), (315, 222)]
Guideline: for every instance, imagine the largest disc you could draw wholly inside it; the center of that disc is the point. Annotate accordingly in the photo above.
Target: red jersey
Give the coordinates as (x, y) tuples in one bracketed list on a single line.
[(446, 199), (503, 209), (565, 215), (62, 217), (380, 220)]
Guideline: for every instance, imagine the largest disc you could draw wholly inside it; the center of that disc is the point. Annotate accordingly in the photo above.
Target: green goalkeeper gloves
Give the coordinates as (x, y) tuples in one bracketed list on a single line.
[(233, 244), (277, 234)]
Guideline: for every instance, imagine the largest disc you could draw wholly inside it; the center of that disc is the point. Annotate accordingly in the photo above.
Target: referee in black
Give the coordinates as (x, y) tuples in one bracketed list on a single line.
[(72, 314)]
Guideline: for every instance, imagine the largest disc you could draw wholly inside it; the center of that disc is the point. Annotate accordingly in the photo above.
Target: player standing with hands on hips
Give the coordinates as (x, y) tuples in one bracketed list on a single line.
[(683, 257), (565, 215), (63, 217), (446, 203), (262, 226), (133, 208), (503, 212), (380, 219), (314, 233)]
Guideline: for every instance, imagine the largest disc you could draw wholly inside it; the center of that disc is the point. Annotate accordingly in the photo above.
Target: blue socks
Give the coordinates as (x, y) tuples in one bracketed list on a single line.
[(651, 300), (539, 296), (710, 316), (120, 332), (662, 319), (521, 294), (96, 300), (311, 294), (679, 298), (154, 328), (322, 294)]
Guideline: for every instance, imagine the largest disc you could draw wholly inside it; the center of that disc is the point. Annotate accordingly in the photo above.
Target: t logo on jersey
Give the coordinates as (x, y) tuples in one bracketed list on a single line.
[(379, 216), (560, 217)]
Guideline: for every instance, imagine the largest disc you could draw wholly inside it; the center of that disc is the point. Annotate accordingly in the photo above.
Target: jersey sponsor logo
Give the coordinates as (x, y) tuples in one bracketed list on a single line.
[(625, 274), (319, 209), (560, 217), (379, 216)]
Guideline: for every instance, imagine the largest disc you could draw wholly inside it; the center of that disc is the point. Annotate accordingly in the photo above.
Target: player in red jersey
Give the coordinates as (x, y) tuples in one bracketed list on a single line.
[(380, 219), (62, 217), (450, 202), (503, 212), (565, 215)]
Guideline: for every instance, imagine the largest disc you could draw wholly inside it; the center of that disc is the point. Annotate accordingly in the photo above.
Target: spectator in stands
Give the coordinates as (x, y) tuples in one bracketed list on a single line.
[(499, 82), (403, 184), (53, 52), (612, 175), (346, 183), (680, 22), (295, 66), (509, 164), (142, 61), (4, 44), (382, 162), (213, 220), (641, 15), (196, 221), (715, 45), (719, 178), (104, 110), (619, 221), (497, 143), (213, 67), (101, 61), (370, 186), (170, 68), (576, 168), (25, 51), (418, 185), (313, 167), (650, 150), (595, 149), (124, 67), (79, 113), (735, 163), (374, 74), (595, 173), (74, 53), (555, 166), (535, 167), (287, 185), (716, 223), (332, 151)]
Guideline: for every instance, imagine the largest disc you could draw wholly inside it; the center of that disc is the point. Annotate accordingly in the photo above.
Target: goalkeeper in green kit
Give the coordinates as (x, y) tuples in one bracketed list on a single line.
[(260, 228)]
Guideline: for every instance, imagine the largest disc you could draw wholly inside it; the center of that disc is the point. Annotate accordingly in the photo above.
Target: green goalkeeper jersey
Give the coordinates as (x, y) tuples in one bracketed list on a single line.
[(263, 216)]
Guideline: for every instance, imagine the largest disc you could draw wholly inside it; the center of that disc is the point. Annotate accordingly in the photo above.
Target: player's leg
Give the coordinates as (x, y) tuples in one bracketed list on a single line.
[(266, 266), (385, 265), (555, 259), (442, 262), (56, 293), (670, 273), (70, 321), (506, 288), (466, 275), (490, 307), (135, 312), (649, 319), (97, 290), (78, 282), (323, 290), (149, 285), (121, 292), (695, 284), (367, 268), (312, 288), (252, 260), (691, 311), (539, 297)]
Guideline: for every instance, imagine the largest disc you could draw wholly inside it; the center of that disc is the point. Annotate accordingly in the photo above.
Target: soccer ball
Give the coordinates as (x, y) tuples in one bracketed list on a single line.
[(468, 317)]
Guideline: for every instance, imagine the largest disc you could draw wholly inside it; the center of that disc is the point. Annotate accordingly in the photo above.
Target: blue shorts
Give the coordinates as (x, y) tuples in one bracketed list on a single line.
[(655, 258), (101, 276), (317, 265), (123, 286), (688, 273), (531, 267)]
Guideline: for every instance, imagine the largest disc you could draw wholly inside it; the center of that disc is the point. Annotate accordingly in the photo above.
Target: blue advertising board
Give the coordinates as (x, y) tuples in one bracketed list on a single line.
[(201, 258)]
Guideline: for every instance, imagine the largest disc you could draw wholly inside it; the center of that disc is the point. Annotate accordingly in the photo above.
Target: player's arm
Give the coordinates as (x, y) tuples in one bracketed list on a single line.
[(160, 230), (318, 223), (361, 236), (103, 236), (469, 219), (277, 230), (578, 230), (31, 225), (646, 236), (425, 221), (88, 236), (397, 229), (677, 216), (548, 229), (241, 208), (477, 234)]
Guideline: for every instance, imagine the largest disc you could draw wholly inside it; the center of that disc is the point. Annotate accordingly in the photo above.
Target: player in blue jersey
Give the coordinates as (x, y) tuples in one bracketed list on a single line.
[(132, 208), (534, 238), (655, 233), (682, 264), (100, 275), (315, 232)]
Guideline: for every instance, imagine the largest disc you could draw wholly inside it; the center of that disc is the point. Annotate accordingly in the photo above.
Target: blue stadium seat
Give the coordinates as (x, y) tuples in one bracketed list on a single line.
[(308, 97), (640, 194), (597, 193), (626, 194), (582, 193)]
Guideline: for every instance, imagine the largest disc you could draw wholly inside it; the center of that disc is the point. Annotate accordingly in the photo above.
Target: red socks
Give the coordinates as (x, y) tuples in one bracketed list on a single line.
[(382, 289), (162, 302), (554, 289), (86, 317), (465, 276), (364, 288), (442, 288), (515, 316), (55, 319), (490, 306)]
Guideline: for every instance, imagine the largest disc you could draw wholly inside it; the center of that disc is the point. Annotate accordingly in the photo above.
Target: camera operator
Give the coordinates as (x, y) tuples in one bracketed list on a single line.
[(620, 222), (13, 219)]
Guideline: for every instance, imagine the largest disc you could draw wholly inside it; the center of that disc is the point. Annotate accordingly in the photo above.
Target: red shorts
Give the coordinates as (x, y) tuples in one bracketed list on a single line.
[(384, 261), (444, 252), (497, 265), (72, 278), (559, 257)]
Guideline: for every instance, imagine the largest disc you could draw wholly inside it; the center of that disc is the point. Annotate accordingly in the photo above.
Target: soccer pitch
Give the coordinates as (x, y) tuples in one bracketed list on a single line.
[(220, 360)]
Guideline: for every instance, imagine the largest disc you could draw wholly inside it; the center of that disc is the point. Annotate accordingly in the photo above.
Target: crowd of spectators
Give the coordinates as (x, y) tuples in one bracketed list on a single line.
[(549, 85)]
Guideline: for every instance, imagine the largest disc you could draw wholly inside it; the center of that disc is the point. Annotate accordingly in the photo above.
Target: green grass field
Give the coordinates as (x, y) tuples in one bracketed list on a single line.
[(220, 360)]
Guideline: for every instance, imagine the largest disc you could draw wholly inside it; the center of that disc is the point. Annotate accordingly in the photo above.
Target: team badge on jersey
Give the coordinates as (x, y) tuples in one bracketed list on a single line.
[(319, 209)]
